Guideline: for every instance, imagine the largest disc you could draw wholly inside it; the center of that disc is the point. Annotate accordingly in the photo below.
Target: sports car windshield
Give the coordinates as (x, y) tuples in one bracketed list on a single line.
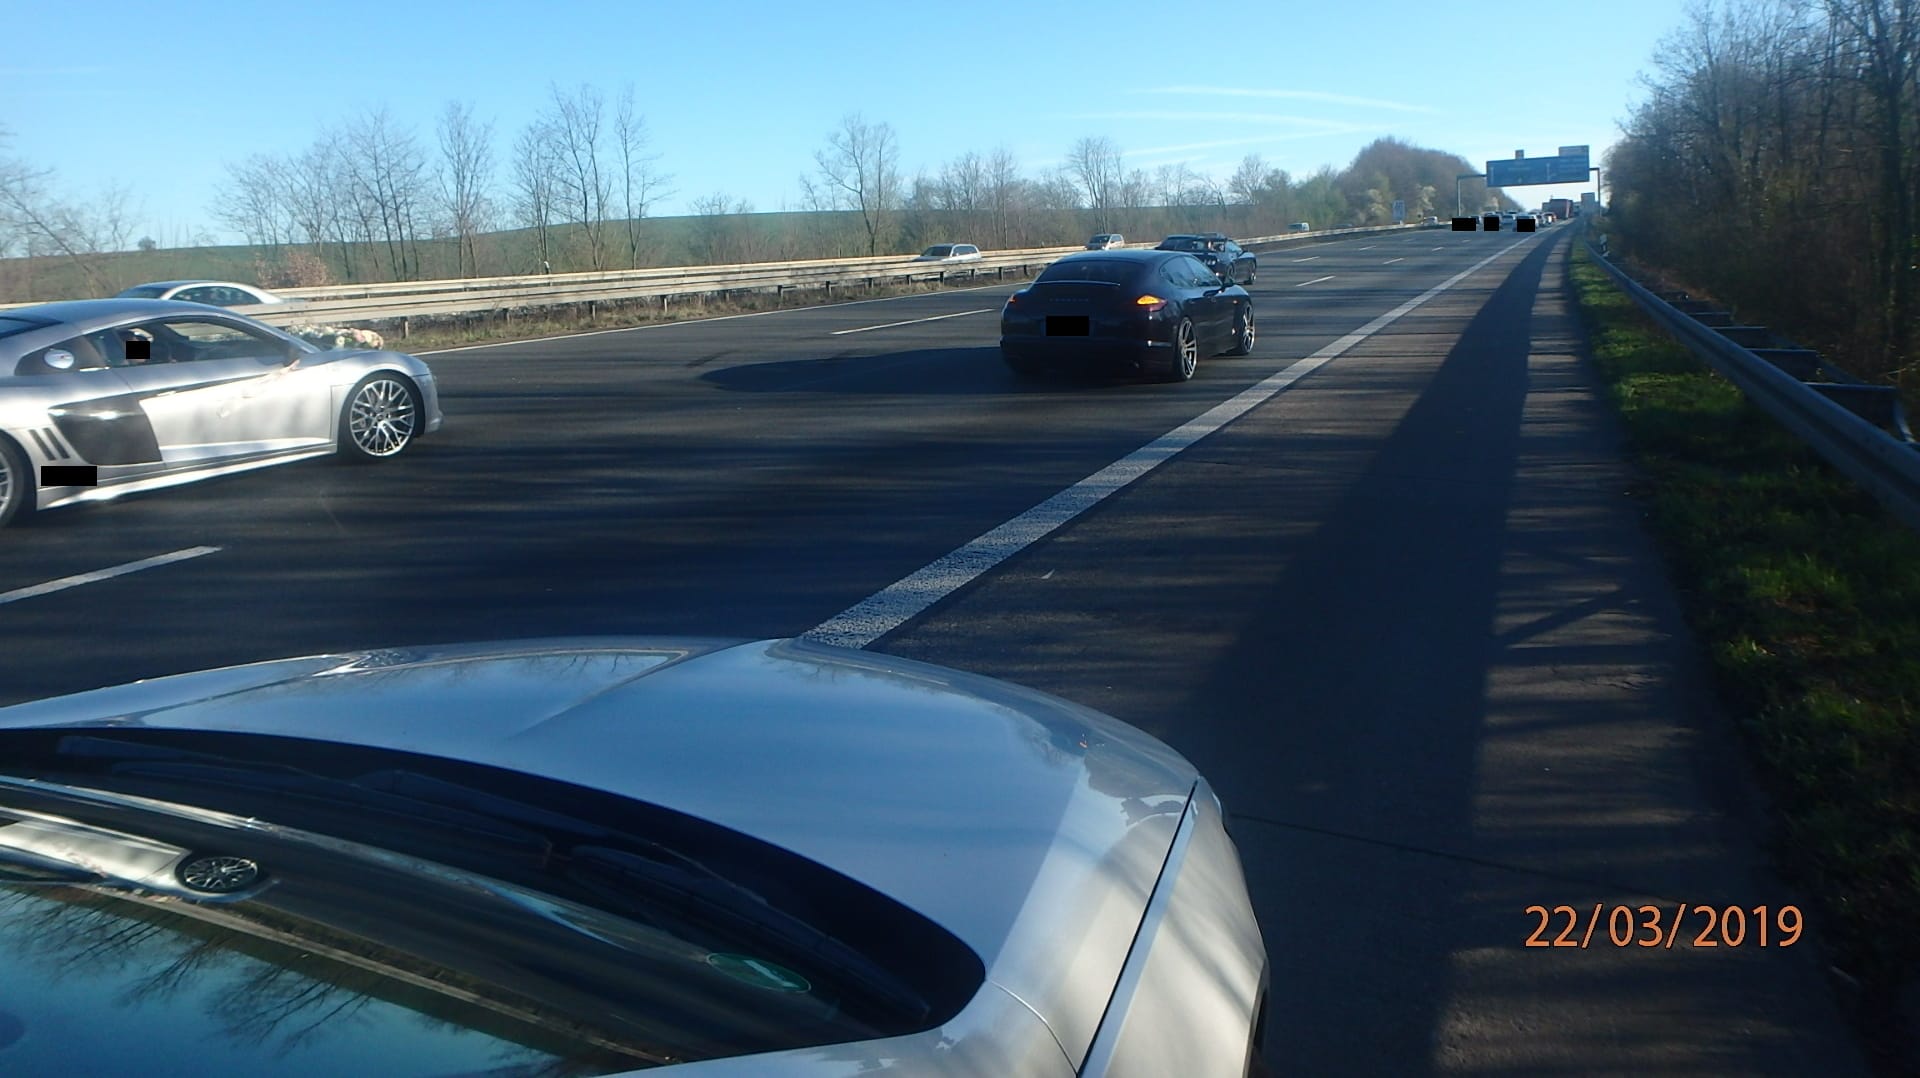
[(413, 912)]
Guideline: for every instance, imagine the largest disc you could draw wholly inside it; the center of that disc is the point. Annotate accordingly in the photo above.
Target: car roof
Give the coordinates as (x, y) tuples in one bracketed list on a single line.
[(90, 314), (177, 284), (1129, 254)]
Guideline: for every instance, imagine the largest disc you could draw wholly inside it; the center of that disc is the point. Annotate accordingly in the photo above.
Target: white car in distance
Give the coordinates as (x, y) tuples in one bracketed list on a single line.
[(950, 252)]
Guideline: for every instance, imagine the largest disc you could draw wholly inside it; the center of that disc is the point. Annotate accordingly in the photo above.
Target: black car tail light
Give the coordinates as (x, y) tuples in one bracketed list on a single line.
[(1151, 303)]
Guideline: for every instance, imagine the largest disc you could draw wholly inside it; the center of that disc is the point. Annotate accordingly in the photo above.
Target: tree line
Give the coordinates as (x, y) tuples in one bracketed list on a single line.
[(1775, 165), (371, 199)]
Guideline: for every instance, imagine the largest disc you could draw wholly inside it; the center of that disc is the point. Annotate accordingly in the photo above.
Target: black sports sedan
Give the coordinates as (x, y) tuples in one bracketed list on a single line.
[(1151, 311), (1234, 263)]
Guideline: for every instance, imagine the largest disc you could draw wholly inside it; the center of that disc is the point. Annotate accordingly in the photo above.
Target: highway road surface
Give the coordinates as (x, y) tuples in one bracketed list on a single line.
[(1380, 580)]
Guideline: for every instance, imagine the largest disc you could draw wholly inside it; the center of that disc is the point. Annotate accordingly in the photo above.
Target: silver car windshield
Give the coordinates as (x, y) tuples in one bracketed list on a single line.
[(408, 913)]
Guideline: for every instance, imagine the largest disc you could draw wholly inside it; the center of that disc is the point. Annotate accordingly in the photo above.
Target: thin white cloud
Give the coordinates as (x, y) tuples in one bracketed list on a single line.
[(1163, 151), (1215, 117), (1291, 95)]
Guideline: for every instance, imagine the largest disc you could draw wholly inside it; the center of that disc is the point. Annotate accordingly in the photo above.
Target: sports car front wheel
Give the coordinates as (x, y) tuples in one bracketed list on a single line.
[(381, 417)]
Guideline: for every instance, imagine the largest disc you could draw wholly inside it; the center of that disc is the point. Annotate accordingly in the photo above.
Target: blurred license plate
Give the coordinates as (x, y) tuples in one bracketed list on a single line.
[(1068, 325)]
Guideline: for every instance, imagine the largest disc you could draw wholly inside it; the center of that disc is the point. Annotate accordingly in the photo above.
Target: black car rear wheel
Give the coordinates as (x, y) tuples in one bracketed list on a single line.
[(1243, 332), (1021, 366), (1186, 353)]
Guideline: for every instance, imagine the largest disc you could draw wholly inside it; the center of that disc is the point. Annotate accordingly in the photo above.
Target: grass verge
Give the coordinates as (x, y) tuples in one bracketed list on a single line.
[(1806, 595)]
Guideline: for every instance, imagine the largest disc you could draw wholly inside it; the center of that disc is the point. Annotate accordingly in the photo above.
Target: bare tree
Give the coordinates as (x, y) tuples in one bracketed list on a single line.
[(535, 188), (641, 182), (34, 220), (254, 201), (1002, 177), (387, 174), (466, 171), (1248, 180), (1885, 54), (718, 234), (1776, 163), (575, 127), (859, 170), (1094, 166)]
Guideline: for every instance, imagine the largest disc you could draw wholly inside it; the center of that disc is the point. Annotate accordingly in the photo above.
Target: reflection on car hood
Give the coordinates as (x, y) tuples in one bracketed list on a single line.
[(1030, 827)]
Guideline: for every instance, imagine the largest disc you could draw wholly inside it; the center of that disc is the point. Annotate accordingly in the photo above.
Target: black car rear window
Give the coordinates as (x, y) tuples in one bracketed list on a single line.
[(425, 916), (1095, 270)]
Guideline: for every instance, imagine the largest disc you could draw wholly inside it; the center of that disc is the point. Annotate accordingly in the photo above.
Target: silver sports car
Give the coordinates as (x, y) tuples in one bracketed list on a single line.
[(597, 856), (105, 397)]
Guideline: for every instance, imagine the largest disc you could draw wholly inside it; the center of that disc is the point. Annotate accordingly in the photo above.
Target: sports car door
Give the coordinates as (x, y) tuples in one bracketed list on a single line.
[(218, 390)]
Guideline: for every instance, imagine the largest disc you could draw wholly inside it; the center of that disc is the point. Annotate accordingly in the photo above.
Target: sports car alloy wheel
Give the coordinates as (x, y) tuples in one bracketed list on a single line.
[(382, 416), (1243, 333), (217, 874), (16, 483), (1186, 353)]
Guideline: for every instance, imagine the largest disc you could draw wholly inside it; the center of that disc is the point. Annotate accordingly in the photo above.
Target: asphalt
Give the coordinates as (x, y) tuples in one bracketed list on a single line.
[(1402, 614)]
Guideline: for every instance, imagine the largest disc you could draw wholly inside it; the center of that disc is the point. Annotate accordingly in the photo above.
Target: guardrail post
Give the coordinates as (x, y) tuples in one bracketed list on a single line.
[(406, 325)]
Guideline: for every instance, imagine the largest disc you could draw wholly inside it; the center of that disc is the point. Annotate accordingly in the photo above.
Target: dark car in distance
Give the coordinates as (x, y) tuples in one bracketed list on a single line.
[(1155, 312), (1234, 263)]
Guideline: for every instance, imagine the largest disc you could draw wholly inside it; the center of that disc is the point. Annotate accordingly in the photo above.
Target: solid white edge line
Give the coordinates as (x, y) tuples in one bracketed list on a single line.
[(905, 599), (1316, 280), (910, 322), (76, 580), (715, 318)]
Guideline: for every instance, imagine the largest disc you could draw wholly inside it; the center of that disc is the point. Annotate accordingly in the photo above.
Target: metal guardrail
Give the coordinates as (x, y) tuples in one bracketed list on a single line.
[(411, 299), (1860, 429), (401, 300)]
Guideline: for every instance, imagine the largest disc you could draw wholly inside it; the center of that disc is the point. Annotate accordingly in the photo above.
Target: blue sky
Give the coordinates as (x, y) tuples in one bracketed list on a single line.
[(738, 96)]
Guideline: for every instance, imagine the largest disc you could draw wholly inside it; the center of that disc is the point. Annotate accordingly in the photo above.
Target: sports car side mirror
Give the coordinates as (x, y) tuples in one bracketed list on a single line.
[(59, 359)]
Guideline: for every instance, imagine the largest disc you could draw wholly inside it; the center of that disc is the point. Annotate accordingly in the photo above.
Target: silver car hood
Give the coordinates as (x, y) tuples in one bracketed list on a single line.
[(1032, 828)]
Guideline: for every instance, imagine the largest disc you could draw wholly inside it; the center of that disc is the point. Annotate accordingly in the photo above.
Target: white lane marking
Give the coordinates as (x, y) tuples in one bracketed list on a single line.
[(910, 322), (75, 581), (1391, 261), (1439, 248), (901, 601), (1316, 280), (715, 318), (1369, 247), (1309, 258)]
